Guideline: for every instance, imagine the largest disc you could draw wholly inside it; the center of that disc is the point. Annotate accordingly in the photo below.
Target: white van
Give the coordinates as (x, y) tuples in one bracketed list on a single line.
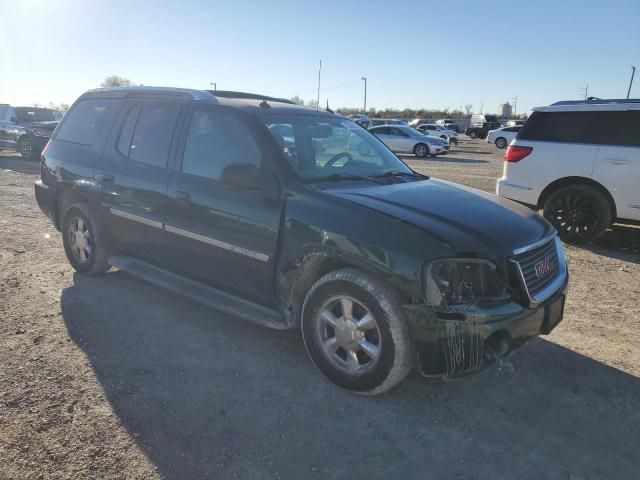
[(580, 162)]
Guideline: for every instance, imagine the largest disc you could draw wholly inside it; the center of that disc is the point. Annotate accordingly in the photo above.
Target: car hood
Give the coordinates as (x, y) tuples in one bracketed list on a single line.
[(468, 219)]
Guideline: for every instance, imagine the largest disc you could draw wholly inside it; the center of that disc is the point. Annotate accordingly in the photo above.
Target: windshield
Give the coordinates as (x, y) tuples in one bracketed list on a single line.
[(319, 147)]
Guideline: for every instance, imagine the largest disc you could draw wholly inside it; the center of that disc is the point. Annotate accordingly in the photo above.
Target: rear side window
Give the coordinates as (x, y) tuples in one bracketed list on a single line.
[(87, 120), (147, 132), (596, 128)]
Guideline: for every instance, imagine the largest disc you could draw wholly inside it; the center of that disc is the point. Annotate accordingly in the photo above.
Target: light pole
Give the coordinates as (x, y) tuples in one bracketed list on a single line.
[(365, 94), (633, 72), (215, 87), (515, 104), (586, 91)]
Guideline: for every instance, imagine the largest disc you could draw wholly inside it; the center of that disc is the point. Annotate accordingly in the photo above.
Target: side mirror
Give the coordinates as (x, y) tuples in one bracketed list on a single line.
[(243, 176)]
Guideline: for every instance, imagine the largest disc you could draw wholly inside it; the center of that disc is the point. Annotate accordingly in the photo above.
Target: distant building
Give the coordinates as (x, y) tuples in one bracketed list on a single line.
[(505, 110)]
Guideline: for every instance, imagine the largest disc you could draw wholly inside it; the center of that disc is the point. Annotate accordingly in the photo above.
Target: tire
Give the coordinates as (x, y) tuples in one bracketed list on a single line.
[(421, 150), (84, 241), (473, 135), (28, 149), (501, 142), (368, 359), (580, 213)]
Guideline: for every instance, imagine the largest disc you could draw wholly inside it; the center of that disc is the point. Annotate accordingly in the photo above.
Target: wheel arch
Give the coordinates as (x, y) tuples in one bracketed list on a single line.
[(294, 283), (567, 181), (67, 196)]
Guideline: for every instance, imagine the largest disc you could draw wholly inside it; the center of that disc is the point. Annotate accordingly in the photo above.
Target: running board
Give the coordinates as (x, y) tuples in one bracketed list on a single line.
[(209, 296)]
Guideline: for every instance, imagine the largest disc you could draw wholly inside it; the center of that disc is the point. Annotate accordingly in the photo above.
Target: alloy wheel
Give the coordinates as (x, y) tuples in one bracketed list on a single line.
[(80, 239), (26, 149), (574, 215), (421, 151), (348, 334)]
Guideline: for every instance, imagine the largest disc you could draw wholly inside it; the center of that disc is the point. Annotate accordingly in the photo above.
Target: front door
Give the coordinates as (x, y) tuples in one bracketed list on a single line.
[(225, 236)]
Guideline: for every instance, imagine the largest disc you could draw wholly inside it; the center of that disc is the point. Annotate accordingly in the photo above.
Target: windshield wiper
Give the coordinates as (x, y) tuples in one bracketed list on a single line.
[(337, 177), (397, 173)]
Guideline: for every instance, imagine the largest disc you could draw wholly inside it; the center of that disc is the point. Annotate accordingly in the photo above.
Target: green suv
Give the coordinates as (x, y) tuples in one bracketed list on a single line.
[(297, 218)]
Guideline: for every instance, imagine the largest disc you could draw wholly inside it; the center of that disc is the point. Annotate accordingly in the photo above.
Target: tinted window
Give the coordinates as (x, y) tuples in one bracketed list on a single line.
[(152, 134), (86, 121), (381, 131), (126, 134), (26, 114), (630, 132), (397, 131), (217, 140), (557, 126)]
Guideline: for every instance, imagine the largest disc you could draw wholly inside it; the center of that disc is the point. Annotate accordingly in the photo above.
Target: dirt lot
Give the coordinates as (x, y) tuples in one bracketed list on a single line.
[(107, 377)]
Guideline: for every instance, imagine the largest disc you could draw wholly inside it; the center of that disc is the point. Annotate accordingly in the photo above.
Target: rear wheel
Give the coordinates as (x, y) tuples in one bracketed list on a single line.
[(84, 242), (580, 213), (355, 333), (501, 142), (421, 150)]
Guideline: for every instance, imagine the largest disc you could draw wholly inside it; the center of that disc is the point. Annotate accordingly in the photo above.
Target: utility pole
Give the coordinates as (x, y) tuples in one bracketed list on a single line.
[(633, 72), (586, 91), (318, 99), (515, 104), (215, 86), (481, 107), (365, 94)]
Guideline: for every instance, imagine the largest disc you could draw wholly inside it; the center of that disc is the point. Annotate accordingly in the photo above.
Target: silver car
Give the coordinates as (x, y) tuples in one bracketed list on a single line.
[(404, 139)]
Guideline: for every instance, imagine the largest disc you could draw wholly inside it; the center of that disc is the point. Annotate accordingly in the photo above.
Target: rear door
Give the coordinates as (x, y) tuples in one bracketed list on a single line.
[(400, 140), (224, 236), (134, 175), (617, 165)]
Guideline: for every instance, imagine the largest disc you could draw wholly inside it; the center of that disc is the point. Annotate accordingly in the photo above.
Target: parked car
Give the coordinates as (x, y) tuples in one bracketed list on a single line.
[(580, 162), (480, 125), (376, 122), (501, 137), (434, 130), (26, 129), (449, 124), (515, 123), (403, 139), (379, 266), (418, 121)]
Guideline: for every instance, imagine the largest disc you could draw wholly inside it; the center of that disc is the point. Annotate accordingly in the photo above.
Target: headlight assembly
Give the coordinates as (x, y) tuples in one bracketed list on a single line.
[(458, 281)]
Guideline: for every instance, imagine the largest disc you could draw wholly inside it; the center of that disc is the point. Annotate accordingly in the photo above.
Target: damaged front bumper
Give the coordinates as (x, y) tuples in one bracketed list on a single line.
[(463, 339)]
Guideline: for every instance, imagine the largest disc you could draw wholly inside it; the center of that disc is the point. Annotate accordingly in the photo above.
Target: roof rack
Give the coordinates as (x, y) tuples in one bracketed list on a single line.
[(597, 101), (246, 95)]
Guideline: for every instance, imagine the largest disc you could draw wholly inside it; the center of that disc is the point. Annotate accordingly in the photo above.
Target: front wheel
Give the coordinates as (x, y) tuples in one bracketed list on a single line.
[(28, 149), (355, 333), (84, 242), (501, 142), (580, 213), (473, 135), (421, 150)]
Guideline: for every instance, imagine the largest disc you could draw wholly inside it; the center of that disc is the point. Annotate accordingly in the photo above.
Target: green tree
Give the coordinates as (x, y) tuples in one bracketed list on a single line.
[(115, 81)]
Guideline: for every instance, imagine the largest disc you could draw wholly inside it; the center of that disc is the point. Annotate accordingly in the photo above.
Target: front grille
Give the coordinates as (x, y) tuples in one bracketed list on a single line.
[(539, 266)]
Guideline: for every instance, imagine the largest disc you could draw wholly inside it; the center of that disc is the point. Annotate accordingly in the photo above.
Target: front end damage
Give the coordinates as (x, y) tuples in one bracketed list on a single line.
[(470, 318)]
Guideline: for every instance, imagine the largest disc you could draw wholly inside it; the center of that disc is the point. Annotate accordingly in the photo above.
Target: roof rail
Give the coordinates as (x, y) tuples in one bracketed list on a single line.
[(247, 95), (142, 92), (597, 101)]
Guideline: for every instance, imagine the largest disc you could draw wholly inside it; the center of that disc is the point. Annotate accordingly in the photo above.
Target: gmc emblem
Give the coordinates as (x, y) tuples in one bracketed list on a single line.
[(544, 266)]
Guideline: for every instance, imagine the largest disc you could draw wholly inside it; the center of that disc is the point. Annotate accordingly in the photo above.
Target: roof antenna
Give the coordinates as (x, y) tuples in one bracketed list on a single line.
[(318, 99), (328, 109)]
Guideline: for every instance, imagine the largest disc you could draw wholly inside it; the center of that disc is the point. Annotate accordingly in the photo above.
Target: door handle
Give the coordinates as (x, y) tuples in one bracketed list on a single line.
[(180, 195), (617, 161), (106, 178)]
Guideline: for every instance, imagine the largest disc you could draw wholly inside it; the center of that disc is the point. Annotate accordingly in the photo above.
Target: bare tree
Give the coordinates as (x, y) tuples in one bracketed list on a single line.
[(299, 100), (467, 109), (115, 81), (312, 103)]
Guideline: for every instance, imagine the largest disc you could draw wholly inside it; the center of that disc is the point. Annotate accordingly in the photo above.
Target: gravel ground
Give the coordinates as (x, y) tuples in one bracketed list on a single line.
[(107, 377)]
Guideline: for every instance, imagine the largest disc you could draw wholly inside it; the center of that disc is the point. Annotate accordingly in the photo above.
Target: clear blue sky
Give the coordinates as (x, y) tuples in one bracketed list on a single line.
[(415, 53)]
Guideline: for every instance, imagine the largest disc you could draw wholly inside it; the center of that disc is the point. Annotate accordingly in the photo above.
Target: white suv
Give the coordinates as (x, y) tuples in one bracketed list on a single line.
[(580, 162)]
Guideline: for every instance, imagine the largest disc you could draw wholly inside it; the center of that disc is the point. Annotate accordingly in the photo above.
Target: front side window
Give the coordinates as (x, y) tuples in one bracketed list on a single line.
[(318, 147), (217, 139), (87, 120)]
